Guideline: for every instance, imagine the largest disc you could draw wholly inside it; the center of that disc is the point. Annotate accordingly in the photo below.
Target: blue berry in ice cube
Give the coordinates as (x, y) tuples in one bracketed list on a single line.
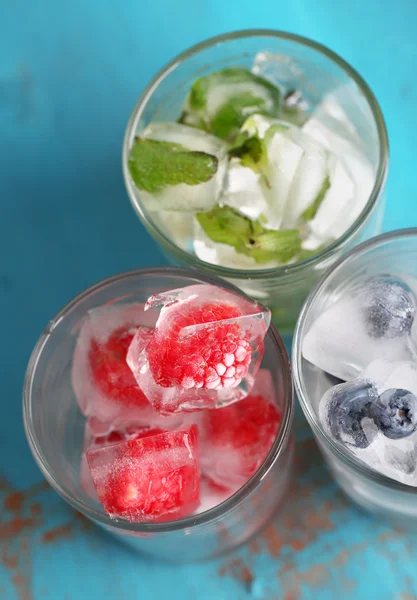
[(348, 405), (389, 307), (395, 413)]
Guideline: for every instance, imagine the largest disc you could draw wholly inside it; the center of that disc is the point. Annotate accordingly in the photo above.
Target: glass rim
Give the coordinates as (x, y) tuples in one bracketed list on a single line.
[(187, 257), (337, 448), (180, 524)]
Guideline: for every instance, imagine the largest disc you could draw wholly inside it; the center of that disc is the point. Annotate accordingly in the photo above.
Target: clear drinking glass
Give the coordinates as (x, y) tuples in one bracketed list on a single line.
[(315, 71), (54, 428), (393, 252)]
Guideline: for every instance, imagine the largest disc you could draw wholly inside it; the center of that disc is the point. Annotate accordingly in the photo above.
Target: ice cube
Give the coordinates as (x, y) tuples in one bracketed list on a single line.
[(308, 181), (375, 416), (222, 254), (366, 324), (183, 197), (352, 175), (244, 192), (284, 155), (154, 477), (101, 379), (220, 101), (333, 212), (235, 440), (211, 495), (205, 352), (91, 441)]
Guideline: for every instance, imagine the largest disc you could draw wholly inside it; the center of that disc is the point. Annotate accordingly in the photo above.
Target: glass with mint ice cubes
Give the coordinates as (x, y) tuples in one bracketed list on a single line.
[(258, 156)]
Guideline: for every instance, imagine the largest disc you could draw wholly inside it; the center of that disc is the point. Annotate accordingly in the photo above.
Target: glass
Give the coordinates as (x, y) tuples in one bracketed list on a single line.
[(54, 428), (314, 71), (392, 252)]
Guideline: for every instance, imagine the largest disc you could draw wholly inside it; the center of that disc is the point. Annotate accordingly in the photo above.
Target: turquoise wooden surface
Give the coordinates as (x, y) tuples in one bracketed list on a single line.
[(70, 73)]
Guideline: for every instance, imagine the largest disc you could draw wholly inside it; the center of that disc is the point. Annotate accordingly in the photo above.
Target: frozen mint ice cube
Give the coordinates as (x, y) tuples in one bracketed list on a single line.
[(310, 182), (353, 176), (221, 101), (335, 208), (177, 168), (225, 225), (243, 191)]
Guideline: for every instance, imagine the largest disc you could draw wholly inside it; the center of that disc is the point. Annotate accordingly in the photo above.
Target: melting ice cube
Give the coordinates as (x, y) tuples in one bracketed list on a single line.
[(205, 352), (371, 323)]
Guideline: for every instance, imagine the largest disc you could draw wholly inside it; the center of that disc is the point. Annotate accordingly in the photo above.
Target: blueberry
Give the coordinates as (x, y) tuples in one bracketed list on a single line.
[(348, 405), (395, 413), (389, 307)]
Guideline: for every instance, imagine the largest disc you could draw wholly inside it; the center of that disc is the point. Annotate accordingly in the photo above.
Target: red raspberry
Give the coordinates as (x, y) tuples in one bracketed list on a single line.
[(152, 477), (97, 441), (213, 356), (235, 440), (110, 370)]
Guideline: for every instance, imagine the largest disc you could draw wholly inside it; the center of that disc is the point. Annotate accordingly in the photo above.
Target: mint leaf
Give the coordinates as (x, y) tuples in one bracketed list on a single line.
[(311, 211), (225, 225), (228, 120), (244, 94), (154, 165), (251, 153)]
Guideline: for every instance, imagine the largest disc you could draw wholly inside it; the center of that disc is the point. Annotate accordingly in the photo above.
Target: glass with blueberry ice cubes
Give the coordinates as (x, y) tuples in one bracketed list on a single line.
[(258, 156), (159, 404), (355, 372)]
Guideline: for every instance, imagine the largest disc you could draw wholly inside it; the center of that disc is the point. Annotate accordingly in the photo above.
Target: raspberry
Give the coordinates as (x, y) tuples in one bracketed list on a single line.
[(110, 371), (97, 441), (151, 477), (205, 352), (212, 357), (235, 440)]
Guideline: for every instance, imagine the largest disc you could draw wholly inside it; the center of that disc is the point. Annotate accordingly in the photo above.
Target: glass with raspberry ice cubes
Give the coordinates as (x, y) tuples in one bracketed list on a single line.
[(173, 398)]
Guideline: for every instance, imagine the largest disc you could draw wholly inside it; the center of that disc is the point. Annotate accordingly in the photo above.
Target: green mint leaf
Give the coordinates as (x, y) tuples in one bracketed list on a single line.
[(154, 165), (225, 225), (252, 153), (229, 76), (311, 211), (244, 94), (230, 117)]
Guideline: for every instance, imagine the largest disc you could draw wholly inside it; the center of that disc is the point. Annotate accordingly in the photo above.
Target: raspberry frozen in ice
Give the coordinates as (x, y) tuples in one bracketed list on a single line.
[(152, 477), (206, 349), (91, 441), (235, 440), (102, 381)]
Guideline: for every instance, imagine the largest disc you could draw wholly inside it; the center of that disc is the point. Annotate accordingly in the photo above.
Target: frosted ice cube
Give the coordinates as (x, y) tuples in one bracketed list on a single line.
[(331, 217), (284, 155), (354, 420), (308, 180), (352, 175), (216, 92), (235, 440), (211, 495), (222, 254), (102, 382), (183, 197), (343, 340), (280, 69), (244, 192), (206, 350), (151, 477), (92, 441)]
